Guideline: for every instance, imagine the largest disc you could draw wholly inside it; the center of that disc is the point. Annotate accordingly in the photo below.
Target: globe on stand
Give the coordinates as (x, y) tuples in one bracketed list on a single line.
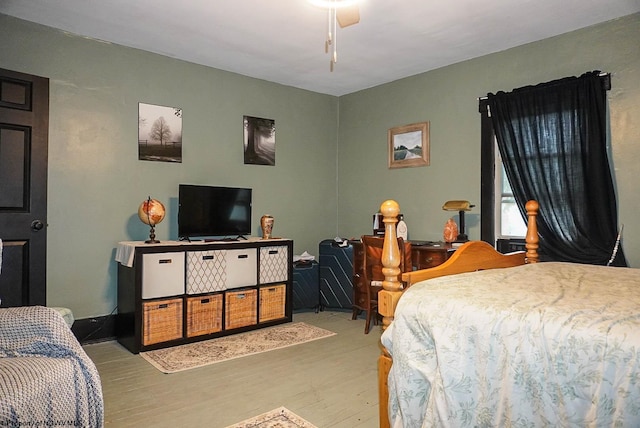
[(151, 212)]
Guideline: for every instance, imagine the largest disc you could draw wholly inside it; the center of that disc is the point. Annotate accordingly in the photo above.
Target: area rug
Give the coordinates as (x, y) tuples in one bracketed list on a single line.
[(198, 354), (277, 418)]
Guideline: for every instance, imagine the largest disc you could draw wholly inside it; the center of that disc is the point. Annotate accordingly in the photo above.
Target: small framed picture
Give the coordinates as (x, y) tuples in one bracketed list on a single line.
[(409, 145)]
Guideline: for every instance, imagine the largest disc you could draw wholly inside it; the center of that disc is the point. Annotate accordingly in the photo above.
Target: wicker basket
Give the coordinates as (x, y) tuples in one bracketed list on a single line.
[(204, 315), (162, 321), (272, 302), (240, 308)]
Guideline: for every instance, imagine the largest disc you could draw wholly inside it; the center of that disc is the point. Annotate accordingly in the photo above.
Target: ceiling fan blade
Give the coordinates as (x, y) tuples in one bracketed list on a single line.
[(348, 15)]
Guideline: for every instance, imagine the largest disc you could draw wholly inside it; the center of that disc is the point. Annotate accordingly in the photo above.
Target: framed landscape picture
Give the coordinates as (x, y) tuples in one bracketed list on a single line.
[(159, 133), (409, 145)]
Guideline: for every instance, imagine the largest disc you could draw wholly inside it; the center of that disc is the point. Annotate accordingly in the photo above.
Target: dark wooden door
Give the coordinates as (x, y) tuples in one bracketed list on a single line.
[(24, 127)]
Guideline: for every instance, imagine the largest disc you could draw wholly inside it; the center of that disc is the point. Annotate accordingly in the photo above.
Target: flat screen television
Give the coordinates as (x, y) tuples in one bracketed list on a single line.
[(213, 211)]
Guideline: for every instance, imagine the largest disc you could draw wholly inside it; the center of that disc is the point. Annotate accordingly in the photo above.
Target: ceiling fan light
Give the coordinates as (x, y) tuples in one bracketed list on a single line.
[(343, 12), (334, 4)]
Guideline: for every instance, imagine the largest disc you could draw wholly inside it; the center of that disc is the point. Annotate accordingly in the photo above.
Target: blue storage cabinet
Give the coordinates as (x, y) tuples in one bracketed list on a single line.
[(336, 273), (306, 286)]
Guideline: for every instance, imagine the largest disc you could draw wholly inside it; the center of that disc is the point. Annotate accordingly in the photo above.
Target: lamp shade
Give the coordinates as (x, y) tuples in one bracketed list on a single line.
[(457, 206)]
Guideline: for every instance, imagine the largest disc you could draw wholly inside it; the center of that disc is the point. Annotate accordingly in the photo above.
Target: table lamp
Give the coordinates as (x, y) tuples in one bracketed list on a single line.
[(461, 207)]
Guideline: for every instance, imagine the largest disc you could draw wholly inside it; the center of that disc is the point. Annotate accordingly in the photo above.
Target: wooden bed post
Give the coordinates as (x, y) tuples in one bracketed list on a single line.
[(388, 298), (391, 287), (531, 240)]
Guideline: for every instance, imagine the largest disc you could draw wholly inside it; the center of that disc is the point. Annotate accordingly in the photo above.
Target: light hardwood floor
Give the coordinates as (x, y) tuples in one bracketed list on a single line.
[(330, 382)]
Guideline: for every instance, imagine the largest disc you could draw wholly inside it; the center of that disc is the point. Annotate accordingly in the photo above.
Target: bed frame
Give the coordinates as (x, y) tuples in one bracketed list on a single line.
[(471, 256)]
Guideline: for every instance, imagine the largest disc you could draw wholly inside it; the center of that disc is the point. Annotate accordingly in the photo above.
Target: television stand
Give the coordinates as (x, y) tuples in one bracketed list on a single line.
[(175, 293)]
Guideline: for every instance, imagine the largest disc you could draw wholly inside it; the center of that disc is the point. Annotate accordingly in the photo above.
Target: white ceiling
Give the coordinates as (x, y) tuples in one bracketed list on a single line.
[(283, 40)]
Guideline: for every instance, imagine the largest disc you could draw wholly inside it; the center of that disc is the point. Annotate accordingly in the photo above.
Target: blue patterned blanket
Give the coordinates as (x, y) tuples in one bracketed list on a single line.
[(46, 378)]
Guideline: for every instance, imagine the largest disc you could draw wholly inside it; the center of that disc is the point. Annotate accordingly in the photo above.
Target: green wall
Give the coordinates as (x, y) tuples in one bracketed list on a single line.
[(96, 181), (318, 188), (448, 99)]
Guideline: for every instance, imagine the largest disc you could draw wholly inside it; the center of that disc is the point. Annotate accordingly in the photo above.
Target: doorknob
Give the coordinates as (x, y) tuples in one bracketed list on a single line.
[(37, 225)]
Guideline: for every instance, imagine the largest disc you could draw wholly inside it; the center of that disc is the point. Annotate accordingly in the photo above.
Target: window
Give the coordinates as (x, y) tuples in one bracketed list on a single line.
[(508, 219), (555, 134), (502, 224)]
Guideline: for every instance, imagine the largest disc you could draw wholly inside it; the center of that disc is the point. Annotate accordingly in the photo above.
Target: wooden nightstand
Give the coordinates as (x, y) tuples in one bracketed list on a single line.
[(430, 255)]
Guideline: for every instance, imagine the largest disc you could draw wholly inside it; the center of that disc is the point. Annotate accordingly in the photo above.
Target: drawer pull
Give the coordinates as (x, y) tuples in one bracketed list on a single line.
[(273, 251), (240, 296), (207, 257), (429, 260), (203, 301), (163, 306), (243, 256), (165, 261)]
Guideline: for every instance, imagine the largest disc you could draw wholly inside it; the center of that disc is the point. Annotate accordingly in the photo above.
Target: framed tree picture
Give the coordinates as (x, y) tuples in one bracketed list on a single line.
[(159, 133), (259, 141), (409, 145)]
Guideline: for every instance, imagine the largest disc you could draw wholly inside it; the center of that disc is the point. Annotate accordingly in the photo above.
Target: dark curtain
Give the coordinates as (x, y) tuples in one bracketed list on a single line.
[(552, 139)]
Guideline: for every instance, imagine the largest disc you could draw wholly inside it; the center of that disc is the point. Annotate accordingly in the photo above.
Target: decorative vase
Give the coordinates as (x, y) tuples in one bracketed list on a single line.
[(266, 223), (450, 231)]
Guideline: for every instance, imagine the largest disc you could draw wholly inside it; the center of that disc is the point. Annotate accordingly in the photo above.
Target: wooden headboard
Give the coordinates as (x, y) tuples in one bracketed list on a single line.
[(470, 257)]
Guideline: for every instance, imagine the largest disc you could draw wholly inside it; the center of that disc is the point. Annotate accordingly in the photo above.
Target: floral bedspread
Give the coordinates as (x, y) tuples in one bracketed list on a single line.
[(542, 345)]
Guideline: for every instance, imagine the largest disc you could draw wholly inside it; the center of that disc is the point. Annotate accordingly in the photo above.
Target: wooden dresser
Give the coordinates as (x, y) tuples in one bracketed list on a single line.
[(423, 255)]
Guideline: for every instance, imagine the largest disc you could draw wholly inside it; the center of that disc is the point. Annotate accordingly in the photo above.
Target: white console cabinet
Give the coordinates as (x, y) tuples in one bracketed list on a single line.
[(177, 292)]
